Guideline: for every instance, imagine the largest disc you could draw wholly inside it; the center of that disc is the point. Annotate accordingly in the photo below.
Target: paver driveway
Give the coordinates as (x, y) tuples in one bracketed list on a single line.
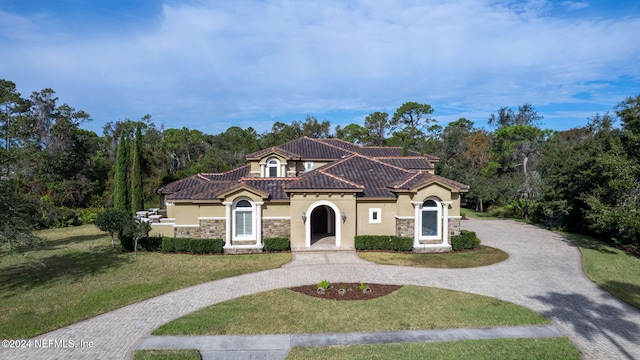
[(542, 273)]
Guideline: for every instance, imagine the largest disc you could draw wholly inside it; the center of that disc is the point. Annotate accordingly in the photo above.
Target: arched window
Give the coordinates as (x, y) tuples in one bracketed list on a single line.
[(273, 168), (430, 220), (243, 220)]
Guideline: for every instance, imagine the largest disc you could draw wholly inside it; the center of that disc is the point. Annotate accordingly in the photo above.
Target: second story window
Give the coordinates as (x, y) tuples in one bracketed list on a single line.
[(273, 167)]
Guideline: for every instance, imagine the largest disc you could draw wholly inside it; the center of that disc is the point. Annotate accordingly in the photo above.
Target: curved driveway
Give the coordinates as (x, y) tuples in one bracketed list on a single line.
[(542, 273)]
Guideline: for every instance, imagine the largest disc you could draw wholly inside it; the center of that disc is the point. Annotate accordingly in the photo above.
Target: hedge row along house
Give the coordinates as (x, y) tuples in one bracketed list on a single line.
[(317, 191)]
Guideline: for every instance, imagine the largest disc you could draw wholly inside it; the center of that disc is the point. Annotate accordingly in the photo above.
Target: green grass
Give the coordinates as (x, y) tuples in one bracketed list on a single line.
[(611, 268), (166, 355), (284, 311), (558, 348), (77, 275), (483, 256)]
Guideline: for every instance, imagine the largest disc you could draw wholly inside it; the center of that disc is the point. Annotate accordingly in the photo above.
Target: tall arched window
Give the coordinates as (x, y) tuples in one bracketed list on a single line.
[(243, 220), (273, 168), (430, 223)]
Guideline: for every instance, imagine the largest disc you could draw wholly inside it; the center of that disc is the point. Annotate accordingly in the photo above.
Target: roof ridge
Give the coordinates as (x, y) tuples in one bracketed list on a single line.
[(336, 177), (384, 163), (333, 146), (407, 180), (244, 178)]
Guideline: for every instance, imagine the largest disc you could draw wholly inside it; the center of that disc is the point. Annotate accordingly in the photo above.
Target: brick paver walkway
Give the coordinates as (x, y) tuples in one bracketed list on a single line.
[(543, 273)]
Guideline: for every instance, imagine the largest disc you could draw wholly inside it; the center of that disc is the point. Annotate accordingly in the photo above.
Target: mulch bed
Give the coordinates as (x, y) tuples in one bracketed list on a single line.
[(352, 291)]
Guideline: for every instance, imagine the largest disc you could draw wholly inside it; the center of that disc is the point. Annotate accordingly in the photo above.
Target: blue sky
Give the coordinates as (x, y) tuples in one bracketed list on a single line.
[(208, 65)]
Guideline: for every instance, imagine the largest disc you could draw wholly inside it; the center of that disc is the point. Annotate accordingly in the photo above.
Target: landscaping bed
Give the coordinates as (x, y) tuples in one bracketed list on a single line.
[(351, 291)]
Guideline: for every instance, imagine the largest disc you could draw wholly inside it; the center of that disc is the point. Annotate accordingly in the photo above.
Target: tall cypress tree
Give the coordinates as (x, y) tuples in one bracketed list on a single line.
[(120, 187), (136, 174)]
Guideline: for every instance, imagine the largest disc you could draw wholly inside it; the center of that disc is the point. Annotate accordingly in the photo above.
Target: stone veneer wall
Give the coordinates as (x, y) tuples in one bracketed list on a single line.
[(454, 227), (213, 229), (276, 228), (405, 227), (187, 232)]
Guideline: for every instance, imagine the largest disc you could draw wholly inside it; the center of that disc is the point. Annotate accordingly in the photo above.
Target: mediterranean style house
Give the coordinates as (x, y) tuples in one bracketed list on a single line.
[(316, 191)]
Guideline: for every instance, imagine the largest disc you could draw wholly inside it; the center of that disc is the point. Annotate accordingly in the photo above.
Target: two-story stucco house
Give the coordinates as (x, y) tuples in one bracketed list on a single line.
[(310, 189)]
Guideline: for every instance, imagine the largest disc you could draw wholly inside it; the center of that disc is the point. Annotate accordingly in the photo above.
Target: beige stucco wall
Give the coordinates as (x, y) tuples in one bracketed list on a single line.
[(276, 210), (158, 229), (344, 202), (212, 210), (186, 214), (387, 225)]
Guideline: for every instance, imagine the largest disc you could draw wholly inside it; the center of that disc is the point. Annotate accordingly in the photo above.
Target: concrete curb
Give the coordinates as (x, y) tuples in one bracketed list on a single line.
[(278, 346)]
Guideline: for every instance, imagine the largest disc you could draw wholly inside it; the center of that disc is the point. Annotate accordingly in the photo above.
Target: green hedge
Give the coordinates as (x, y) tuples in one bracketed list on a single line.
[(383, 242), (276, 244), (151, 243), (466, 240), (191, 245)]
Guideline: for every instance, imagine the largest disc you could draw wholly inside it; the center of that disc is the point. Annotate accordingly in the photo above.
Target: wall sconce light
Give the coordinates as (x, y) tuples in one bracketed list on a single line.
[(304, 217), (344, 217)]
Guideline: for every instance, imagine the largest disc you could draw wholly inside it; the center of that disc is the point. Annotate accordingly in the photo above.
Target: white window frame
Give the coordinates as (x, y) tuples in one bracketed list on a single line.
[(438, 210), (252, 221), (272, 163), (373, 211), (308, 166)]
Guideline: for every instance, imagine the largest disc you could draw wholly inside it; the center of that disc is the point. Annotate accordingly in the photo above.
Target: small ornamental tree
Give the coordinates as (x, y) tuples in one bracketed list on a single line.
[(137, 229), (112, 221)]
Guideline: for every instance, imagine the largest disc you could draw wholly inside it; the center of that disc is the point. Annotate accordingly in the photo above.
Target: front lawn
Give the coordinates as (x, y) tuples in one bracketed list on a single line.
[(284, 311), (611, 268), (77, 275), (558, 349), (482, 256)]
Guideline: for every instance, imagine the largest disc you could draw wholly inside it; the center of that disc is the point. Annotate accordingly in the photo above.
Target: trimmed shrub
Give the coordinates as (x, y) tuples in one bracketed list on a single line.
[(167, 244), (151, 243), (276, 244), (206, 246), (191, 245), (181, 245), (466, 240), (383, 242)]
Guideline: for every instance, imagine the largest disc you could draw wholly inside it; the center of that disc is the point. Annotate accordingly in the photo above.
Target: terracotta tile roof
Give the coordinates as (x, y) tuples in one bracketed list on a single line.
[(320, 180), (303, 148), (182, 184), (408, 162), (234, 174), (375, 176), (372, 172), (274, 187), (423, 178), (384, 151), (202, 191)]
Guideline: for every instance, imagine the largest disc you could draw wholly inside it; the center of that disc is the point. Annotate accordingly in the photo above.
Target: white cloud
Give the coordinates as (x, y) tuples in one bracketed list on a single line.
[(231, 61)]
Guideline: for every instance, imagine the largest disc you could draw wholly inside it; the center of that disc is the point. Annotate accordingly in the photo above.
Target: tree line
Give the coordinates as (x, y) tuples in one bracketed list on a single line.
[(586, 179)]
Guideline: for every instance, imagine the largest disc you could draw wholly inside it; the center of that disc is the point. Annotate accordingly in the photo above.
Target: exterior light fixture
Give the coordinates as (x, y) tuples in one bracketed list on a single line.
[(304, 217), (344, 216)]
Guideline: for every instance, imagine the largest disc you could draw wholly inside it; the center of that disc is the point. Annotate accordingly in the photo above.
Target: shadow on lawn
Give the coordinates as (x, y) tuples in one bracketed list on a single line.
[(53, 244), (590, 318), (589, 243), (74, 266)]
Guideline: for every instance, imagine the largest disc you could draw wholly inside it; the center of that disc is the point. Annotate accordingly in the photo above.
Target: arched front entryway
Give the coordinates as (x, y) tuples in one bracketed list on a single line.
[(322, 223)]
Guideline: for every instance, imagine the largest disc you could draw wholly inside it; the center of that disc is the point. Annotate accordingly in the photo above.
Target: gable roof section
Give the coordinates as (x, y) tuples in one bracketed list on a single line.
[(303, 148), (318, 180), (369, 177), (422, 179)]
